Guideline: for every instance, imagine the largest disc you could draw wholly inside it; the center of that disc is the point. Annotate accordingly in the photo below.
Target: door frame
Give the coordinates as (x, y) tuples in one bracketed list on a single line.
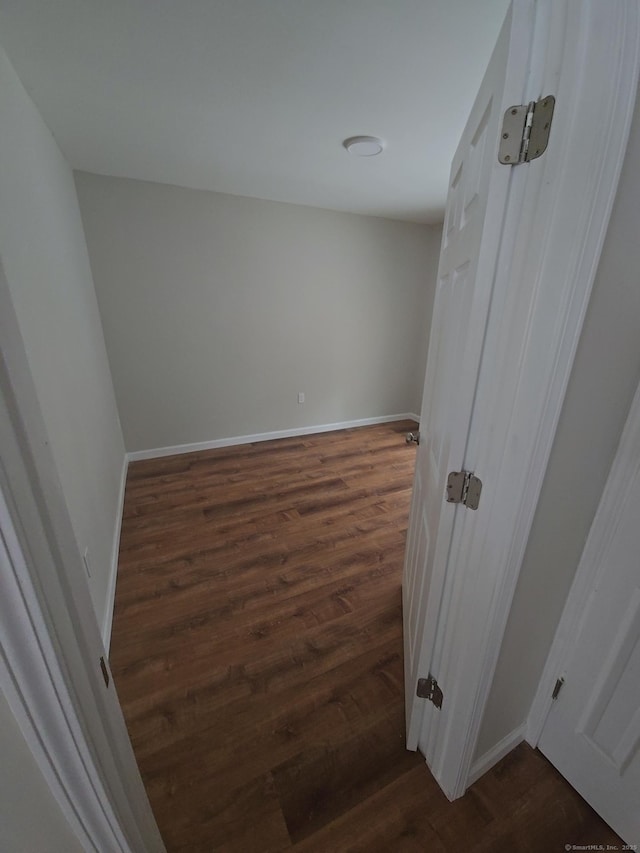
[(36, 692), (590, 568), (50, 640), (557, 216)]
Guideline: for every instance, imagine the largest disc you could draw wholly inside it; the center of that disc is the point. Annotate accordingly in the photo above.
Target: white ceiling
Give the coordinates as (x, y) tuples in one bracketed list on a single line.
[(254, 97)]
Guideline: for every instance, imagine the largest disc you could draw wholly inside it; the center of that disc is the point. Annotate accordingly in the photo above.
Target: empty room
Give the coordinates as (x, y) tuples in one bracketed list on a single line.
[(320, 425)]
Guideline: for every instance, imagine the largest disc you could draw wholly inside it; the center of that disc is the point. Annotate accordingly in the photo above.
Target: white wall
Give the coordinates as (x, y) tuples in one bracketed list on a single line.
[(30, 818), (605, 375), (47, 268), (218, 310)]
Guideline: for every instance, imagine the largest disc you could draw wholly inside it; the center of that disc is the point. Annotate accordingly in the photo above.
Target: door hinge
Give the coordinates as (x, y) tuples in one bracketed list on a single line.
[(557, 688), (464, 488), (525, 131), (428, 688)]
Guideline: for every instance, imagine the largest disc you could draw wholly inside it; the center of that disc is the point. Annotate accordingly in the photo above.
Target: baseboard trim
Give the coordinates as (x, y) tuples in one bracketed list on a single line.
[(496, 753), (113, 576), (176, 449)]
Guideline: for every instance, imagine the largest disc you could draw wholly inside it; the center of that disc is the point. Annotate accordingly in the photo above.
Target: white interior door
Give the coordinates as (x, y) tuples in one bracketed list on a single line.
[(476, 204), (592, 733)]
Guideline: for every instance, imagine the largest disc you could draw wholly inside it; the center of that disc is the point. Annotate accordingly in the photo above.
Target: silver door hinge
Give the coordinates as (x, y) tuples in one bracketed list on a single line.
[(427, 688), (557, 688), (525, 131), (464, 488)]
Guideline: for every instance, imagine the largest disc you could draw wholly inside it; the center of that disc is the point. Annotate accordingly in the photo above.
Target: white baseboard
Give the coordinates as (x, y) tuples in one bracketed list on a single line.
[(496, 753), (113, 576), (174, 450)]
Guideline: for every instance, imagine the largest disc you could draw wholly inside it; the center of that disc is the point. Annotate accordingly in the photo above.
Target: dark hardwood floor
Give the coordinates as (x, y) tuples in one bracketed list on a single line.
[(257, 653)]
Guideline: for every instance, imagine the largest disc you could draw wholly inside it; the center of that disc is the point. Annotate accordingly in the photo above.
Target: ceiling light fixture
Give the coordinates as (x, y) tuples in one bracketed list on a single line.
[(364, 146)]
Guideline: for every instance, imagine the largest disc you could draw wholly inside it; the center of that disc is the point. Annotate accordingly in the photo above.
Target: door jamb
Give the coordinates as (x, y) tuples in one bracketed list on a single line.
[(590, 568), (37, 694), (598, 125), (49, 658)]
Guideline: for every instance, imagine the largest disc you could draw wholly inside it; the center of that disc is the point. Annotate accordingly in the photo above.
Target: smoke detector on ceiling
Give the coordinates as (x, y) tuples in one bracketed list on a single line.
[(364, 146)]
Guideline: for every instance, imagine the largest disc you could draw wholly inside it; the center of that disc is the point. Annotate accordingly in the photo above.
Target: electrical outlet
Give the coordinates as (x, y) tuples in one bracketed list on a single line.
[(301, 396), (85, 560)]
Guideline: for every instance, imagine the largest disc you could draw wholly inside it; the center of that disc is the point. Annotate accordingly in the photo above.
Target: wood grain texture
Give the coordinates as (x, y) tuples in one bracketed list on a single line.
[(257, 653)]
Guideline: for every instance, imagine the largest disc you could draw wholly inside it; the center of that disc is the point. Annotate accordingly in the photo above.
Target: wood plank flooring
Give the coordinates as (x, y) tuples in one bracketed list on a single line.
[(257, 653)]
